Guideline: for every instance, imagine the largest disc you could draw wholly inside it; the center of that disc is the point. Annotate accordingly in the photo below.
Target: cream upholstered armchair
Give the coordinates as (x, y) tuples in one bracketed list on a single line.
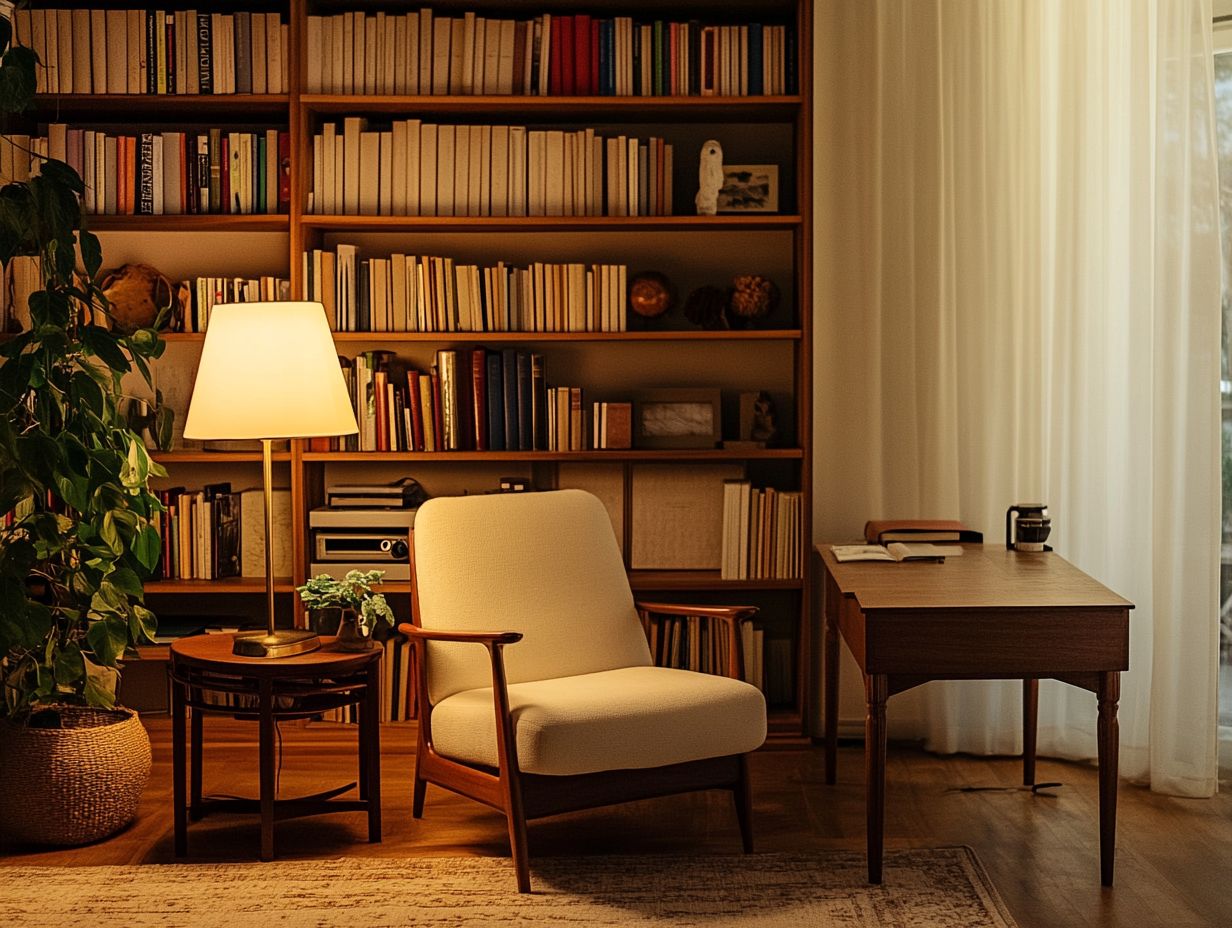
[(537, 693)]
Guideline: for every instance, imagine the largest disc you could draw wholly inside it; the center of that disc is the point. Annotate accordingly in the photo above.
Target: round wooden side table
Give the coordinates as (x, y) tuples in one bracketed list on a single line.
[(207, 678)]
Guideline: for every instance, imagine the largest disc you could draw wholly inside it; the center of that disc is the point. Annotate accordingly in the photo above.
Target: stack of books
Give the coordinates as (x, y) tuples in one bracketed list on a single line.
[(200, 533), (199, 295)]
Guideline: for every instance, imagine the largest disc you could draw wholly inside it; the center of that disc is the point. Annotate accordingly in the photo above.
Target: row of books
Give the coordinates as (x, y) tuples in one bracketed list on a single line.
[(200, 532), (156, 51), (197, 296), (472, 400), (417, 53), (424, 293), (397, 685), (163, 173), (703, 646), (762, 533), (415, 168)]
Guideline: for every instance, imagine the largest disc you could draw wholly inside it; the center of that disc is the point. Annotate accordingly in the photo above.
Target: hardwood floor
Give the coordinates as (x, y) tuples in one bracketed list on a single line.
[(1174, 856)]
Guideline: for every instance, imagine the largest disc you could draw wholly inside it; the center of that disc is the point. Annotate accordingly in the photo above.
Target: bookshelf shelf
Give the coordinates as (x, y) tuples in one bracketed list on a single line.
[(748, 223), (531, 109), (697, 335), (692, 335), (155, 107), (189, 223), (708, 454), (661, 581), (228, 586), (216, 457)]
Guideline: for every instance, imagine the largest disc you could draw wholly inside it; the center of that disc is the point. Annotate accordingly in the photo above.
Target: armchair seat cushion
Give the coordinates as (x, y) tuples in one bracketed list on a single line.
[(628, 718)]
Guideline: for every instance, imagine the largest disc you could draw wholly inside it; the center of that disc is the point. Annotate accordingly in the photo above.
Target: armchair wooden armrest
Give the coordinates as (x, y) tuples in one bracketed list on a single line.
[(732, 618), (485, 638)]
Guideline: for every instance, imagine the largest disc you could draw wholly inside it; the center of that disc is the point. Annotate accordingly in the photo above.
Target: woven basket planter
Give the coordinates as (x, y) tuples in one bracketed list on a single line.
[(74, 784)]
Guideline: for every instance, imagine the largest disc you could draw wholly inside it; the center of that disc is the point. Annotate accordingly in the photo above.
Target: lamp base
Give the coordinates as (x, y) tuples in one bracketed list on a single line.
[(285, 642)]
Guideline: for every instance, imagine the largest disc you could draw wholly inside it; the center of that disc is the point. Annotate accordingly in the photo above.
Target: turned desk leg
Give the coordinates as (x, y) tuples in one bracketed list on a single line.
[(876, 688), (830, 694), (1030, 724), (265, 763), (1109, 739), (178, 752)]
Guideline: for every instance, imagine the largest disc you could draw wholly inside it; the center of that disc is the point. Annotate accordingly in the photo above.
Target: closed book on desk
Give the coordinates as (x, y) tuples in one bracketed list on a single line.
[(882, 531)]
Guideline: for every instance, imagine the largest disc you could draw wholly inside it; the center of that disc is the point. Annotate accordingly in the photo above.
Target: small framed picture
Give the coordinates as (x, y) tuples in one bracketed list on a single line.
[(749, 188), (677, 418)]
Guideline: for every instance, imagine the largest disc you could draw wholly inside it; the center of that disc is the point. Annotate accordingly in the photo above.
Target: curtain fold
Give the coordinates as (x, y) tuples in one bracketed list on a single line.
[(1018, 300)]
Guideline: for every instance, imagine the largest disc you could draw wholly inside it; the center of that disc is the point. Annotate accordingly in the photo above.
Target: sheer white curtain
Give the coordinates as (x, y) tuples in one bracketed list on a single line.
[(1018, 298)]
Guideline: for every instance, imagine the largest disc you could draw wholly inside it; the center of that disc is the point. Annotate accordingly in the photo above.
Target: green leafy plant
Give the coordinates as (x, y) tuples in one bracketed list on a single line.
[(78, 540), (354, 591)]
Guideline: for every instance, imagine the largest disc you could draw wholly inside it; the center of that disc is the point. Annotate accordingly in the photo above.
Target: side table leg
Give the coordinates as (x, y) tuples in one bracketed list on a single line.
[(194, 766), (876, 687), (1109, 738), (370, 749), (1030, 724), (178, 799), (265, 714)]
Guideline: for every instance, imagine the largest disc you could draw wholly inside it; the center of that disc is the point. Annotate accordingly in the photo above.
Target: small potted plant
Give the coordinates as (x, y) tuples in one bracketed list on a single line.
[(359, 608)]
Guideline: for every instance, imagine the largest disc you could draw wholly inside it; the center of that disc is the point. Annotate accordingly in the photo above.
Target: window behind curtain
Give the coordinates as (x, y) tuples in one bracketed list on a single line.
[(1223, 121)]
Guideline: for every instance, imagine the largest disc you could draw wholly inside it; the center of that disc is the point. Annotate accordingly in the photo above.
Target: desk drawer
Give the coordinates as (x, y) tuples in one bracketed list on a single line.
[(997, 643)]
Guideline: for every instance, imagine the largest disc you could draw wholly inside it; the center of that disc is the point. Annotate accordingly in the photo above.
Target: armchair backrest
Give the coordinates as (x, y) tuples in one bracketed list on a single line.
[(543, 564)]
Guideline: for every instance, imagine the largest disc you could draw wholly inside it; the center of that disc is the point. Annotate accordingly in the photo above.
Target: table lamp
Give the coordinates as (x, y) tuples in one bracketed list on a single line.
[(269, 371)]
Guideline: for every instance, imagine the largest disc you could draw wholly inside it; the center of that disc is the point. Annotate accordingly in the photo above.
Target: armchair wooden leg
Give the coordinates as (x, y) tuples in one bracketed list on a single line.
[(517, 840), (417, 798), (744, 805)]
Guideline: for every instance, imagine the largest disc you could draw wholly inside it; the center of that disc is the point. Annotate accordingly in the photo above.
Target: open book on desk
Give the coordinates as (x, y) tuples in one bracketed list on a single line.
[(895, 551)]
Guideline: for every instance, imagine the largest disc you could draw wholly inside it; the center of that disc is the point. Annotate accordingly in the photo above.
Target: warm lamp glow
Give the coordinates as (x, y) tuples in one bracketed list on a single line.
[(269, 370)]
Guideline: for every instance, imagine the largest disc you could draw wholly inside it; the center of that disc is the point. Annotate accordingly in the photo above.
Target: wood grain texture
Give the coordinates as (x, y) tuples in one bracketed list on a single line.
[(1174, 866)]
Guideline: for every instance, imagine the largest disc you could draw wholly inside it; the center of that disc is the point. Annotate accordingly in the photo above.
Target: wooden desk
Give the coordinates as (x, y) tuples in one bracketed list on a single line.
[(207, 677), (990, 614)]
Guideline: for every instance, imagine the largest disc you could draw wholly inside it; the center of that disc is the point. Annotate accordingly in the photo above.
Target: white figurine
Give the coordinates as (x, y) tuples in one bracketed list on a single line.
[(709, 178)]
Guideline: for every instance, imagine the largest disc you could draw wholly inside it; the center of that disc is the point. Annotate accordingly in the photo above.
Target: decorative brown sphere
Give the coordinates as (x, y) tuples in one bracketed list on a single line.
[(651, 294), (753, 296), (137, 294)]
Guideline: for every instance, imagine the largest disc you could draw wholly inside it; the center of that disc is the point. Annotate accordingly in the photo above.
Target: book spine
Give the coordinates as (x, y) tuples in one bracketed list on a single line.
[(416, 438), (284, 172), (479, 404), (524, 401), (509, 369), (205, 53), (169, 62), (539, 404), (496, 403), (145, 168)]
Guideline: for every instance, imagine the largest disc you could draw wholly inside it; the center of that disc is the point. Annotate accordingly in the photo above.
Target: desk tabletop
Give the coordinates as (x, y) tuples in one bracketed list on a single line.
[(985, 577)]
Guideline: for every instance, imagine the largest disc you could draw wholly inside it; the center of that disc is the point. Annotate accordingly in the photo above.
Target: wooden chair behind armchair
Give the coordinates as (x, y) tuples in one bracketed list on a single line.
[(574, 714)]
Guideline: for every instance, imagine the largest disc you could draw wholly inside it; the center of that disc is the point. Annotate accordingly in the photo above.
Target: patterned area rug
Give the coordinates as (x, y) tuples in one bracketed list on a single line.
[(945, 887)]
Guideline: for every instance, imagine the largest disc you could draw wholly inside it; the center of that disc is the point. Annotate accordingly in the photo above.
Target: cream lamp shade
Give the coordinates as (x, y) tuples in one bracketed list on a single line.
[(269, 370)]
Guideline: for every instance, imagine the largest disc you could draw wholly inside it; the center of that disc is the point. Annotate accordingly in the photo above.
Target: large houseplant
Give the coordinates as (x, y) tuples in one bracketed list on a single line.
[(78, 541)]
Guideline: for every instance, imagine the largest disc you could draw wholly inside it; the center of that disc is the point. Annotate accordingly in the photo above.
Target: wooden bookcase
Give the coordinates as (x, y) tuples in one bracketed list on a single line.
[(691, 249)]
